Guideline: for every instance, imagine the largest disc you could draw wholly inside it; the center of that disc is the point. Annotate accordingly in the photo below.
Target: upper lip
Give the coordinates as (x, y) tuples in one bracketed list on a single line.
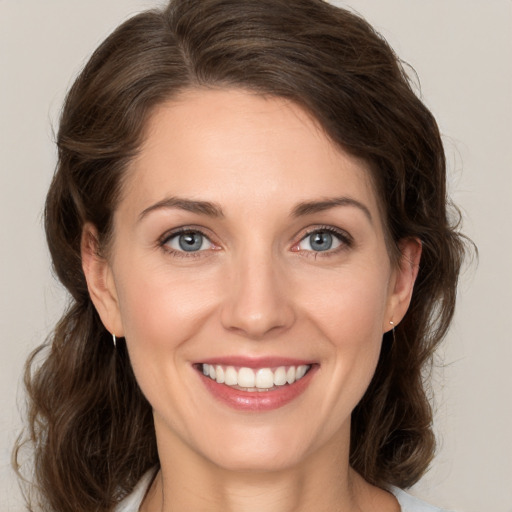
[(255, 362)]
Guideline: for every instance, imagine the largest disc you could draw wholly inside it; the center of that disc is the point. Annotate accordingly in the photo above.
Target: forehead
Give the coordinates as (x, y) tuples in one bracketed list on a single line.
[(243, 150)]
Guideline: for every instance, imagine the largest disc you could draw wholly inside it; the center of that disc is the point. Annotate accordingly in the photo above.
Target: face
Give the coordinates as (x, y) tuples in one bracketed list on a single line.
[(249, 248)]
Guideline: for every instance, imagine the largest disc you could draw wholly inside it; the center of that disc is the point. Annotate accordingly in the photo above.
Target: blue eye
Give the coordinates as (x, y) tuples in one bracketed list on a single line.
[(189, 241), (320, 241)]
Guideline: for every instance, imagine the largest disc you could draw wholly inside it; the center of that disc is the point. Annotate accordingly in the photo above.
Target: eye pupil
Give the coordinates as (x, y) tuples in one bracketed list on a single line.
[(191, 241), (321, 241)]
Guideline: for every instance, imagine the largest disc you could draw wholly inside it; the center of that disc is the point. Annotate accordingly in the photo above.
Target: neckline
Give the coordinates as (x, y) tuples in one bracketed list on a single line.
[(134, 500)]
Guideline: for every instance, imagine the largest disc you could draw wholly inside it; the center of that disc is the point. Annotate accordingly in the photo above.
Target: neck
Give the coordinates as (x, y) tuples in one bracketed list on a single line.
[(323, 482), (227, 491)]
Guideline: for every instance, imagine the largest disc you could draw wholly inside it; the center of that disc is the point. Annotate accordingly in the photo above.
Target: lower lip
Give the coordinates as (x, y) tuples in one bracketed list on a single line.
[(258, 401)]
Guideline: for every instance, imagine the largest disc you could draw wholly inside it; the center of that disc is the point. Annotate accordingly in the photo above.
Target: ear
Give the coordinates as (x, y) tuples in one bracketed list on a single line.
[(100, 281), (402, 281)]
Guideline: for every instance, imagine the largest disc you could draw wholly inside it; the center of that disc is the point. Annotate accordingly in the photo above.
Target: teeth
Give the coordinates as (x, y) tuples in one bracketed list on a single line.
[(220, 374), (255, 380), (301, 371), (280, 376), (246, 378), (264, 378), (230, 376)]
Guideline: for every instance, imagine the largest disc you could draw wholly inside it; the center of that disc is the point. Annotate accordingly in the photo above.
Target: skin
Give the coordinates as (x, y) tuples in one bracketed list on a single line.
[(256, 288)]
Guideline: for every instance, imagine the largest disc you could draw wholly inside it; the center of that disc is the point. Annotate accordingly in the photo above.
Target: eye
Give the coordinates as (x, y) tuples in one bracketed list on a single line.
[(188, 241), (323, 240)]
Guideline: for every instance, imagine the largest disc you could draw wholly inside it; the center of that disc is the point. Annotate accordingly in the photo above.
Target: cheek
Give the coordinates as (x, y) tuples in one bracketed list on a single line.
[(162, 315), (349, 306), (350, 317), (158, 306)]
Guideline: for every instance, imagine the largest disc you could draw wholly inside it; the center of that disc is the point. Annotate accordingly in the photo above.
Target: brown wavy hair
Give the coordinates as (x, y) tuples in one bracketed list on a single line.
[(89, 425)]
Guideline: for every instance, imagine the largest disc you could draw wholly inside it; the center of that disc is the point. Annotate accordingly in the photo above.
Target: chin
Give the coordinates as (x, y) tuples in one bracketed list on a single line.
[(260, 451), (257, 460)]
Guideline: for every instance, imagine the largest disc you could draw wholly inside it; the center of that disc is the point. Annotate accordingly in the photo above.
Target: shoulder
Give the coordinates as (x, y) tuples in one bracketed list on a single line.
[(409, 503), (133, 501)]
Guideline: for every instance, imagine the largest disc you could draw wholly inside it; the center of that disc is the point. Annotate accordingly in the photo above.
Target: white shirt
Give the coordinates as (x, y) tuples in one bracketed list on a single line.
[(133, 501)]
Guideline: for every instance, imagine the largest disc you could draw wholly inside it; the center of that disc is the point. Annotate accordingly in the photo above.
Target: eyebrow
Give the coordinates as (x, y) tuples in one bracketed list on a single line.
[(189, 205), (214, 210), (310, 207)]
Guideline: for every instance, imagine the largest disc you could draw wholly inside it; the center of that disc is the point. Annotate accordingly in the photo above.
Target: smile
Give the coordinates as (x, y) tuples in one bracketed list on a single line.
[(256, 385), (254, 379)]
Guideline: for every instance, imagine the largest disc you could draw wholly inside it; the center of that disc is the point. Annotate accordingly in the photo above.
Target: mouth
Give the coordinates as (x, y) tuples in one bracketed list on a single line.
[(254, 379), (256, 385)]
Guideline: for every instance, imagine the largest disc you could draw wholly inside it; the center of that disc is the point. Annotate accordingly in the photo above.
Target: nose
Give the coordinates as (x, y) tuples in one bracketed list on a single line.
[(258, 299)]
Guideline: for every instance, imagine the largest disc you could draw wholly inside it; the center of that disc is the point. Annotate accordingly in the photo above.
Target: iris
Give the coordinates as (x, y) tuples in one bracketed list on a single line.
[(190, 241), (320, 241)]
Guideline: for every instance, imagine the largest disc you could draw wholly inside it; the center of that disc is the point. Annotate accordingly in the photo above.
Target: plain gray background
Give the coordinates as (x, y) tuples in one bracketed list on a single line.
[(462, 52)]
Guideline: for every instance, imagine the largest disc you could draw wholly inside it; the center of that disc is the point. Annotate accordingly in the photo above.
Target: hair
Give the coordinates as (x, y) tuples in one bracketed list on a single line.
[(90, 427)]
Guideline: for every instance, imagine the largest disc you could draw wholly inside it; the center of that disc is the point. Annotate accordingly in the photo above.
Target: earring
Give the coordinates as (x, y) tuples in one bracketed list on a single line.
[(393, 330), (114, 340)]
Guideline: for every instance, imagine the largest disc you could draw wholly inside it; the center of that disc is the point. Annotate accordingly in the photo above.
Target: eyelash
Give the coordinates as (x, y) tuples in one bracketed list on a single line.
[(346, 242), (167, 237)]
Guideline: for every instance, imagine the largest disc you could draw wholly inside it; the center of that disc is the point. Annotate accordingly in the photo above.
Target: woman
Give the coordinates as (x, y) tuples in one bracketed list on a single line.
[(250, 215)]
